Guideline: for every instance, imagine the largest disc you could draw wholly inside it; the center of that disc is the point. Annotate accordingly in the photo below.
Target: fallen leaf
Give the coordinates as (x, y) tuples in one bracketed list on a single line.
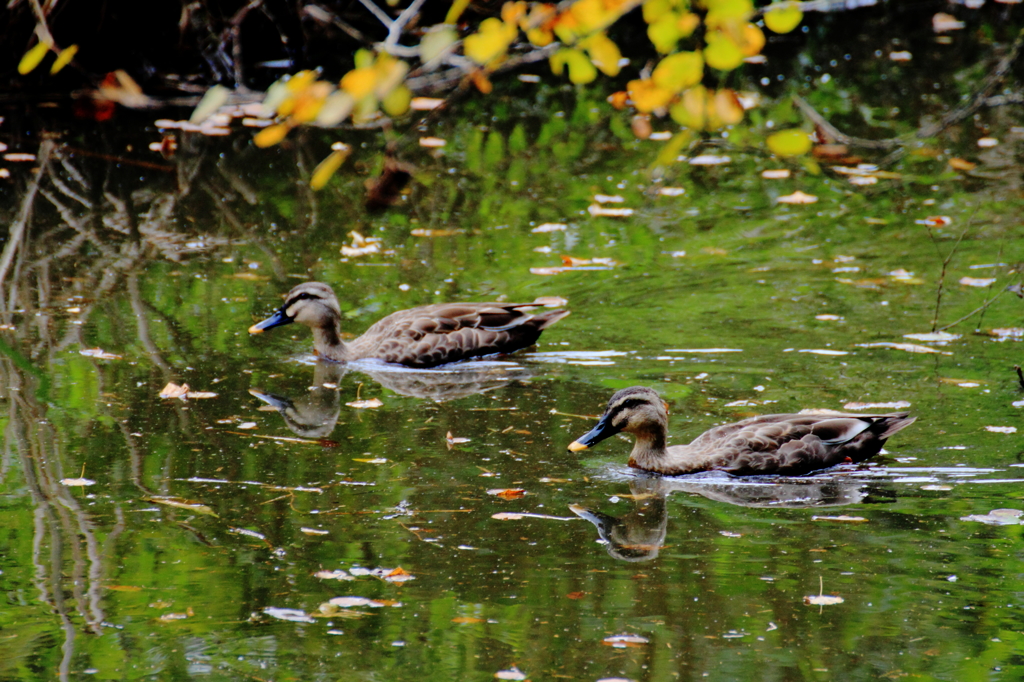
[(608, 199), (599, 210), (828, 317), (942, 22), (935, 221), (937, 337), (841, 519), (183, 504), (428, 232), (512, 673), (823, 599), (985, 142), (549, 227), (961, 164), (173, 390), (453, 440), (314, 531), (361, 246), (77, 481), (466, 620), (797, 197), (709, 160), (333, 575), (576, 595), (671, 191), (775, 174), (432, 142), (425, 103), (623, 641), (131, 588), (1001, 429), (365, 404), (977, 281), (908, 347), (349, 602), (375, 460), (98, 353), (1006, 333), (895, 405), (398, 575), (508, 493), (997, 517), (293, 615)]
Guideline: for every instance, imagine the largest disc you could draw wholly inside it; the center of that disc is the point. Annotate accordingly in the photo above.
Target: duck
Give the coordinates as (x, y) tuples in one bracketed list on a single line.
[(781, 444), (422, 337)]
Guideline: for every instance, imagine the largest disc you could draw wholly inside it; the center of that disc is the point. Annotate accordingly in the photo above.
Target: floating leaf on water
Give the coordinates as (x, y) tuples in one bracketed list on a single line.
[(314, 531), (730, 534), (508, 516), (99, 354), (894, 405), (512, 673), (326, 169), (549, 227), (349, 602), (508, 493), (997, 517), (977, 281), (938, 337), (201, 394), (433, 142), (961, 164), (333, 575), (293, 615), (625, 640), (863, 181), (398, 575), (826, 317), (454, 440), (671, 191), (986, 142), (1007, 333), (1001, 429), (709, 160), (942, 22), (547, 271), (183, 504), (361, 245), (247, 425), (775, 174), (797, 197), (599, 210), (608, 199), (937, 487), (823, 599), (77, 481), (170, 617), (468, 620), (935, 221), (840, 519), (372, 403), (173, 390), (908, 347), (375, 460), (214, 99), (429, 232), (425, 103)]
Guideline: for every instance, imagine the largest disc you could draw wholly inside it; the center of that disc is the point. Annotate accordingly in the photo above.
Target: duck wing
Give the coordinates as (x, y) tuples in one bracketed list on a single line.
[(437, 334), (795, 444)]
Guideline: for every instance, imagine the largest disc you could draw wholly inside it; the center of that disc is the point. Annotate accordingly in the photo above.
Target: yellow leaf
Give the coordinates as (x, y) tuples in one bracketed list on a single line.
[(456, 10), (690, 110), (64, 58), (214, 99), (679, 71), (604, 53), (327, 168), (513, 12), (727, 109), (310, 101), (580, 69), (364, 59), (336, 109), (300, 81), (390, 74), (271, 135), (727, 11), (673, 148), (359, 82), (783, 17), (436, 43), (647, 96), (664, 33), (687, 24), (722, 53), (490, 42), (789, 142), (32, 58), (397, 101), (655, 9), (752, 40), (540, 36)]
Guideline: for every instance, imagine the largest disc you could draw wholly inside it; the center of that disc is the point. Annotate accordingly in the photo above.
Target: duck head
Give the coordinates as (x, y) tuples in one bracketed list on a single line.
[(637, 410), (311, 303)]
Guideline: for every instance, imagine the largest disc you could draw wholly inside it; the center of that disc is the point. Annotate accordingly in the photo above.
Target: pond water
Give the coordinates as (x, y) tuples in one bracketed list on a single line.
[(456, 534)]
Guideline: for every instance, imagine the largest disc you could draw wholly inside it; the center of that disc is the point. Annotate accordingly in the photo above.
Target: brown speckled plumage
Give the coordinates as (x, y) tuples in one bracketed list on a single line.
[(790, 444), (427, 336)]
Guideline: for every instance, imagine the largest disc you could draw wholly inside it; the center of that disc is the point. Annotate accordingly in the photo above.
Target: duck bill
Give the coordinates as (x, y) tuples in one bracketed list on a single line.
[(603, 430), (275, 320)]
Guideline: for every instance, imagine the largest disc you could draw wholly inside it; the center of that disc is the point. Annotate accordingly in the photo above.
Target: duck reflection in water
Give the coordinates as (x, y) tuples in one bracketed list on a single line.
[(314, 413), (640, 534)]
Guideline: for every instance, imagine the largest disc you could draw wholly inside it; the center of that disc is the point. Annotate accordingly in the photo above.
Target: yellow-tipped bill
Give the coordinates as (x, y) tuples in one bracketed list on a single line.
[(576, 446), (255, 329)]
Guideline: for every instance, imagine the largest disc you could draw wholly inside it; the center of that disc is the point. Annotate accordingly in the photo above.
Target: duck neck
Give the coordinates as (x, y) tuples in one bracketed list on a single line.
[(328, 344), (649, 450)]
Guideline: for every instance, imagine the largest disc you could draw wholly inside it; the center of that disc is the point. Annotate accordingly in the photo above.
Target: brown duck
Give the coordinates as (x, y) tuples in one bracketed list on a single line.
[(427, 336), (790, 444)]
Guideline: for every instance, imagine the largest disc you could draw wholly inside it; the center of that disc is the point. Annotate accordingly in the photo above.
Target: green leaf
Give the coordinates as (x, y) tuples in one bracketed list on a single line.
[(789, 142)]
